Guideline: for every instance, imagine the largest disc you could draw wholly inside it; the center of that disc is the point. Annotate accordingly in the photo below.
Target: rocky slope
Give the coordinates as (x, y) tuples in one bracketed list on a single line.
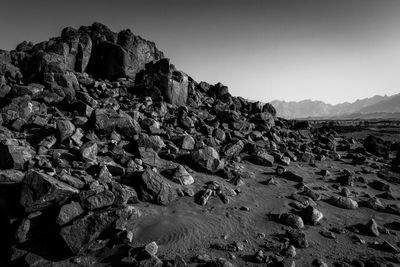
[(110, 156)]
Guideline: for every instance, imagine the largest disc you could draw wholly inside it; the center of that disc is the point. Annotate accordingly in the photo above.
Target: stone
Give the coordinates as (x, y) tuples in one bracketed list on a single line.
[(292, 220), (263, 158), (65, 129), (40, 191), (15, 157), (377, 146), (103, 199), (153, 187), (22, 231), (151, 248), (181, 176), (312, 216), (371, 228), (297, 238), (69, 212), (11, 176), (208, 159), (188, 142), (233, 149), (89, 151), (343, 202), (153, 141), (108, 120)]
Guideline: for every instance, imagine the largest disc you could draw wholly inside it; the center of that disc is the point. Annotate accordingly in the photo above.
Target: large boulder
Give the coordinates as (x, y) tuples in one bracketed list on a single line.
[(40, 191), (15, 157), (108, 120), (155, 188), (377, 146), (162, 79), (208, 159)]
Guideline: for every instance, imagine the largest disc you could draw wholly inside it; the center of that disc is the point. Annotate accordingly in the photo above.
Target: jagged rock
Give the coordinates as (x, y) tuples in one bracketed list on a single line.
[(108, 120), (123, 194), (11, 176), (371, 228), (153, 187), (188, 142), (65, 129), (233, 149), (22, 231), (153, 141), (181, 176), (208, 159), (40, 191), (68, 212), (100, 200), (377, 146), (263, 158), (151, 158), (297, 238), (89, 151), (15, 157)]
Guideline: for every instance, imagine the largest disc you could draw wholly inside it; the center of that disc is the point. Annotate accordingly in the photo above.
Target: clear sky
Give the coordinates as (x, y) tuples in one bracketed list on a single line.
[(335, 51)]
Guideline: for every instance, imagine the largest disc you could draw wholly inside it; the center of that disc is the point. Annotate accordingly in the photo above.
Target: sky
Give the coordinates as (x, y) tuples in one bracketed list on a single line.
[(329, 50)]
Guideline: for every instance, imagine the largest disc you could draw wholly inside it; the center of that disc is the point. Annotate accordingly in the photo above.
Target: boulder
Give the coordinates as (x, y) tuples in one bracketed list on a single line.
[(208, 159), (103, 199), (69, 212), (377, 146), (181, 176), (263, 158), (153, 187), (108, 120), (40, 191), (15, 157)]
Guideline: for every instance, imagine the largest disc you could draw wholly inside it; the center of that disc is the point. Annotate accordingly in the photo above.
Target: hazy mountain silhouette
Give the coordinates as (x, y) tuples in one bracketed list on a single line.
[(318, 109)]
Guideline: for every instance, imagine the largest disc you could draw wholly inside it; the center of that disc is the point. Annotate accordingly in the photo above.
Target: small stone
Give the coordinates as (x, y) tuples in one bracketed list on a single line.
[(151, 248), (291, 251), (89, 151), (292, 220)]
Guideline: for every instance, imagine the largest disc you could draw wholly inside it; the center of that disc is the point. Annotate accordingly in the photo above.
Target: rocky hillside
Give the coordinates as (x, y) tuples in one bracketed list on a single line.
[(110, 156), (309, 108)]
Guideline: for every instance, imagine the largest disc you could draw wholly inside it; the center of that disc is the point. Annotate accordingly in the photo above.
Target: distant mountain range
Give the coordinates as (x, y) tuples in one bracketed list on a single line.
[(373, 107)]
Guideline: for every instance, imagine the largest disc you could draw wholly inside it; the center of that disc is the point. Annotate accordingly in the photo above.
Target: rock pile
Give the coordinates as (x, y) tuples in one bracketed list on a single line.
[(93, 122)]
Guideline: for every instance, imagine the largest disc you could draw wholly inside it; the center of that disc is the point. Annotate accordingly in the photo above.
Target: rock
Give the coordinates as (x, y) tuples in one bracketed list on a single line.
[(69, 212), (290, 251), (154, 142), (89, 151), (11, 176), (208, 159), (188, 142), (151, 248), (181, 176), (297, 238), (123, 194), (65, 129), (371, 228), (377, 146), (263, 158), (312, 215), (379, 185), (291, 176), (233, 149), (15, 157), (292, 220), (343, 202), (108, 120), (100, 200), (40, 191), (84, 231), (22, 231), (153, 187)]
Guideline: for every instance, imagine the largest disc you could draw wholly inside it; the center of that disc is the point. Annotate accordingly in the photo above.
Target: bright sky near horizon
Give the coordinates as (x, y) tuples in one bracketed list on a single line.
[(329, 50)]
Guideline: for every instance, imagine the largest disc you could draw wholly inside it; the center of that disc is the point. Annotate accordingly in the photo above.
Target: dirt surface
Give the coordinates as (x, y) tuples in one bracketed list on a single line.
[(188, 229)]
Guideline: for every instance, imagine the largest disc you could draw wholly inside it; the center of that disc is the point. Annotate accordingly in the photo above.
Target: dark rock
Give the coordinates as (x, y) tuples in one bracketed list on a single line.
[(108, 120), (377, 146), (100, 200), (207, 158), (263, 158), (371, 228), (15, 157), (65, 129), (297, 238), (69, 212), (153, 187), (40, 191)]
